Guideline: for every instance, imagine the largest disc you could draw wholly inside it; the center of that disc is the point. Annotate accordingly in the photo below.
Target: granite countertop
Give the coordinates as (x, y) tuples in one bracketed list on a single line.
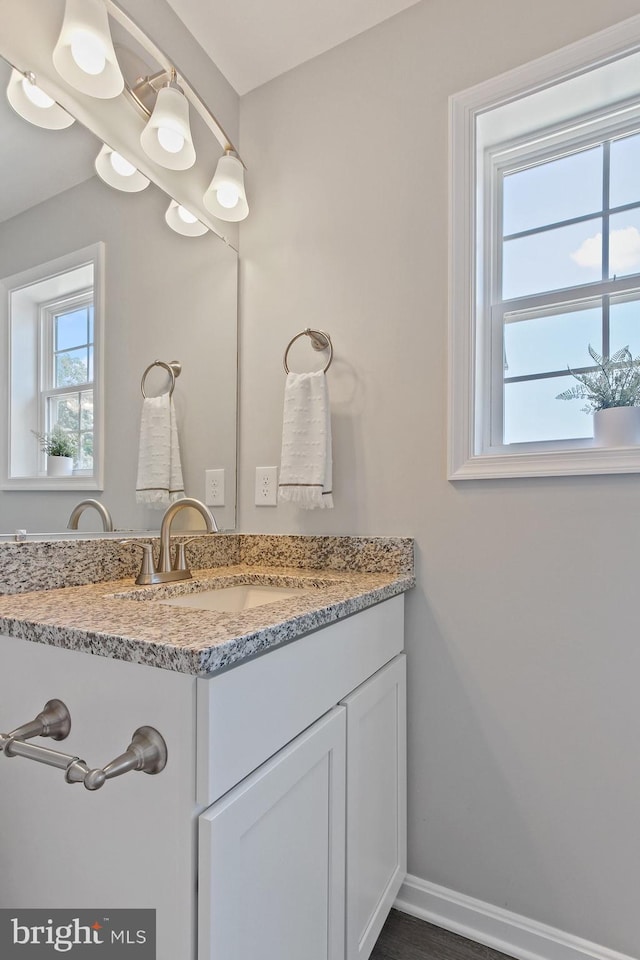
[(115, 619)]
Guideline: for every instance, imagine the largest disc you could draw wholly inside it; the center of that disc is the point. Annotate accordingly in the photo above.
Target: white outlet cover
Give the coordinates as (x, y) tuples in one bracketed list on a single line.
[(266, 489)]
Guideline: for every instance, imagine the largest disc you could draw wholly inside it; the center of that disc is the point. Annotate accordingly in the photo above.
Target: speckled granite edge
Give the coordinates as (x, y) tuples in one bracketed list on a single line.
[(50, 564), (92, 620)]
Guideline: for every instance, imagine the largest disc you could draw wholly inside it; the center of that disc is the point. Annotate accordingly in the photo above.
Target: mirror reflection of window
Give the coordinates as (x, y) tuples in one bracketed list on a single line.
[(67, 388), (54, 326)]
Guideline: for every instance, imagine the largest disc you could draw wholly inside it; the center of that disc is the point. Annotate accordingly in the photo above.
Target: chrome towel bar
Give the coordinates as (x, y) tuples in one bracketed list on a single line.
[(147, 751)]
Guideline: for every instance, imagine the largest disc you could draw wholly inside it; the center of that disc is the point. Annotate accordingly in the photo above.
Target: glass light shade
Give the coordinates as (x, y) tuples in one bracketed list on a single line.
[(225, 197), (166, 139), (183, 221), (34, 105), (84, 54), (116, 170)]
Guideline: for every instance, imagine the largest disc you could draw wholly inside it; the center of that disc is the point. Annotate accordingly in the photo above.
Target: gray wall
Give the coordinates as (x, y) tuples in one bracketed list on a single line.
[(524, 780)]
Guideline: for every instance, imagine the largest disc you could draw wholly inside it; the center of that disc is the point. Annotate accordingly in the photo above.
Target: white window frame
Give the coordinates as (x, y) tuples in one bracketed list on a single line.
[(471, 235), (80, 480)]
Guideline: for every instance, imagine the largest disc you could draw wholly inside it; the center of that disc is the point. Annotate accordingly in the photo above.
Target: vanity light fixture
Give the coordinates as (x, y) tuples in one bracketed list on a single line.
[(84, 54), (117, 172), (166, 138), (33, 104), (183, 221), (225, 196)]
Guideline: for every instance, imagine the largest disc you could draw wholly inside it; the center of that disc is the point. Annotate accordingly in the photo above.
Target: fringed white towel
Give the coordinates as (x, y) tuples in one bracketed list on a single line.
[(305, 465), (159, 469)]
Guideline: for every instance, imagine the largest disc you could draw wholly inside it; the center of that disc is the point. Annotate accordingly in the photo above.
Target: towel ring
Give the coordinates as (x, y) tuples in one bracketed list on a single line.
[(319, 341), (174, 369)]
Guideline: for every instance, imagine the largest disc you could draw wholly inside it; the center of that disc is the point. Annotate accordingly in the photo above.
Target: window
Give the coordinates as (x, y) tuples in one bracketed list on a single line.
[(66, 395), (545, 229), (53, 366)]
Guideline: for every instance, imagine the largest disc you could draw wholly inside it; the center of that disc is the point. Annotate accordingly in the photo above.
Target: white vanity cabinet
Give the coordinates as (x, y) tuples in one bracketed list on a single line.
[(321, 822), (279, 819)]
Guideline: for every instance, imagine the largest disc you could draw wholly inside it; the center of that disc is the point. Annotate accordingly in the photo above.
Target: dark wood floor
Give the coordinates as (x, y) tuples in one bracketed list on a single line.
[(406, 938)]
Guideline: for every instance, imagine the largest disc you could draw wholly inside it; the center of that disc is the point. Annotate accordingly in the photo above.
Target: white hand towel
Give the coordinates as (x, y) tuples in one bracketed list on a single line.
[(159, 470), (306, 466)]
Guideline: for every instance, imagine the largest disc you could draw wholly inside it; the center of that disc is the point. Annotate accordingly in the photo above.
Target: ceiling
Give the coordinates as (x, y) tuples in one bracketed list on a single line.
[(253, 41)]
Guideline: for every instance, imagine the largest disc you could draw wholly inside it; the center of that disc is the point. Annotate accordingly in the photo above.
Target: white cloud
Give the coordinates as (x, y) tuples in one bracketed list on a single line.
[(624, 251), (589, 253)]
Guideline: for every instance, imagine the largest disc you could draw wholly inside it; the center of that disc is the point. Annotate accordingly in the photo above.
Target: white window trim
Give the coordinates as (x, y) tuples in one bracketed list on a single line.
[(78, 482), (464, 282)]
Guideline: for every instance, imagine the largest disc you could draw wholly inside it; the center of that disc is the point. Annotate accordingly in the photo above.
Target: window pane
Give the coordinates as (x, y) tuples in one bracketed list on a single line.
[(551, 192), (85, 458), (551, 260), (86, 410), (71, 329), (624, 319), (64, 412), (71, 368), (624, 243), (625, 164), (544, 344), (531, 412)]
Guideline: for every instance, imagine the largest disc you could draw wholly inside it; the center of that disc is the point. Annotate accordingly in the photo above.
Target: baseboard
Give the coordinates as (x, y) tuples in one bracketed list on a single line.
[(510, 933)]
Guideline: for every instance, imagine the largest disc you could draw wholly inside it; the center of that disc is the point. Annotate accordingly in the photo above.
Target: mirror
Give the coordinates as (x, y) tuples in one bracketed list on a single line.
[(166, 297)]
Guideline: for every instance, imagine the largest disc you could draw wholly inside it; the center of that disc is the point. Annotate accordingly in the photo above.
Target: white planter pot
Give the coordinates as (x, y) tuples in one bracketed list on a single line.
[(59, 466), (617, 427)]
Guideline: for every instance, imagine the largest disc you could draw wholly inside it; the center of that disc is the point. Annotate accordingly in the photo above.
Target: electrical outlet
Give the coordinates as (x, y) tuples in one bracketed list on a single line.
[(214, 488), (266, 486)]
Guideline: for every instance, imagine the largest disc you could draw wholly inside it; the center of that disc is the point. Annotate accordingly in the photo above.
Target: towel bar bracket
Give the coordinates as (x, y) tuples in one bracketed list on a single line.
[(146, 753)]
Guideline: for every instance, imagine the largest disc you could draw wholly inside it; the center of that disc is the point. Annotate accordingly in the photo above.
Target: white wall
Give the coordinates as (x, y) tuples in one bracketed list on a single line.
[(523, 655)]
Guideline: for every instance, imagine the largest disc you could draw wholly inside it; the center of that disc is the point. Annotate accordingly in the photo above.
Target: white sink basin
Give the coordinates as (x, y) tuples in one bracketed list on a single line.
[(234, 599)]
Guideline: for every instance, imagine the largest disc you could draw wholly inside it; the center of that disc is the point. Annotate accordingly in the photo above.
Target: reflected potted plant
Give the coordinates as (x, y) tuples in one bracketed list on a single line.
[(60, 448), (613, 395)]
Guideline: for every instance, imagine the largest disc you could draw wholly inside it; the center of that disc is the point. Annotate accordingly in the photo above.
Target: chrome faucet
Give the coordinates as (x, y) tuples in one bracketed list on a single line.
[(78, 510), (166, 571)]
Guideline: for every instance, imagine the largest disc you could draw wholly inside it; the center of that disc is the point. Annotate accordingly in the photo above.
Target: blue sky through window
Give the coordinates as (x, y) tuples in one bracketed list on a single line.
[(565, 257)]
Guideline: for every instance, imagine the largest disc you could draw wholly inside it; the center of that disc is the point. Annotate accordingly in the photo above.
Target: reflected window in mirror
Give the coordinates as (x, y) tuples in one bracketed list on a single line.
[(54, 329), (66, 395)]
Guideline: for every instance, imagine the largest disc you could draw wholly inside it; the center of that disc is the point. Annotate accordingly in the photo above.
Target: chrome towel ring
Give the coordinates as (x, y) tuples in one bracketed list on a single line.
[(174, 369), (319, 341)]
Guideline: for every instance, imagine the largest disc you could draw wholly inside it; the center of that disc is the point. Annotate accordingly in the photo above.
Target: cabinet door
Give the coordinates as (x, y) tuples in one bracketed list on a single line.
[(376, 804), (272, 855)]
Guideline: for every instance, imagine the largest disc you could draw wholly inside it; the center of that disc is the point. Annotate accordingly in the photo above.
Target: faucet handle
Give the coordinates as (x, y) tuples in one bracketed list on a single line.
[(180, 556), (147, 568)]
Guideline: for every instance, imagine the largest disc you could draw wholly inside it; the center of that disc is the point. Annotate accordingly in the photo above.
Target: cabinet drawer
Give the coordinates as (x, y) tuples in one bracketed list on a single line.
[(248, 713)]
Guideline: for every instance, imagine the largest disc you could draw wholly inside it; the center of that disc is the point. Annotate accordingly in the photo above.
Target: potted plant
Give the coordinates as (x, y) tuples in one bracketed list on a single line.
[(613, 395), (60, 448)]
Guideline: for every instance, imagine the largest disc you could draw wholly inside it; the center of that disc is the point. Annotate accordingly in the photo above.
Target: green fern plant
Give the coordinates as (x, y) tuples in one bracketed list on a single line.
[(57, 443), (616, 382)]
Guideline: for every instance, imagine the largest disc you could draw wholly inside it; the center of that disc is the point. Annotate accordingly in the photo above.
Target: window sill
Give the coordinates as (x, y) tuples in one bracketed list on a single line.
[(591, 460), (51, 483)]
